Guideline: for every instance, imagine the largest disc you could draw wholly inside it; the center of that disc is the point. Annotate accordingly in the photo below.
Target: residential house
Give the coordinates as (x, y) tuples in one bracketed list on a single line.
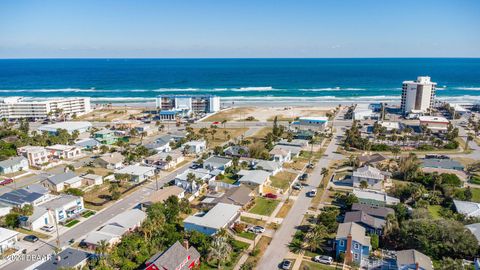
[(145, 129), (105, 136), (280, 155), (137, 173), (161, 144), (5, 209), (254, 178), (65, 207), (69, 258), (217, 163), (159, 196), (296, 142), (373, 177), (310, 123), (372, 225), (220, 216), (130, 219), (177, 256), (450, 166), (270, 166), (241, 196), (61, 151), (351, 241), (87, 144), (159, 160), (303, 134), (36, 155), (39, 218), (237, 151), (378, 212), (293, 149), (201, 176), (13, 164), (8, 239), (434, 123), (92, 180), (469, 209), (373, 159), (195, 147), (62, 181), (412, 259), (475, 229), (21, 197), (374, 198), (111, 161)]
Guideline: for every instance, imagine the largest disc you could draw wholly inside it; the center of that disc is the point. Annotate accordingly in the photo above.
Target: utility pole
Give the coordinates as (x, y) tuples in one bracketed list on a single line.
[(156, 180), (56, 226)]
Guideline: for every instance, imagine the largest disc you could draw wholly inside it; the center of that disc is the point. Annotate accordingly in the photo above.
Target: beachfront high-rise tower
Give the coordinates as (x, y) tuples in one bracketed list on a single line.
[(418, 96)]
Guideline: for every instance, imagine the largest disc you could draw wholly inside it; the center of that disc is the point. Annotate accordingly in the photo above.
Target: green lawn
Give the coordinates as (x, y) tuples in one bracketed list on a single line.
[(309, 265), (253, 221), (72, 223), (434, 211), (247, 235), (88, 213), (264, 206), (282, 179), (475, 194)]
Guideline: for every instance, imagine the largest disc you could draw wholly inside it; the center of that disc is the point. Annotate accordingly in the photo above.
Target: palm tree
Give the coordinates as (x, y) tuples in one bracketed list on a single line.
[(219, 249), (224, 121), (225, 133), (469, 138), (437, 180), (315, 237), (102, 249), (363, 184), (395, 151), (409, 167), (324, 173)]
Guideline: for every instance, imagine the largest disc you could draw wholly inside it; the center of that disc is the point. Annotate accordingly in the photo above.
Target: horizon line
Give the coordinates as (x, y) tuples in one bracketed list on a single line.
[(228, 58)]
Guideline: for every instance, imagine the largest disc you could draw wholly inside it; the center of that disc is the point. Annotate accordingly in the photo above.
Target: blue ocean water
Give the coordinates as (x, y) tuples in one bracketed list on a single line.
[(117, 80)]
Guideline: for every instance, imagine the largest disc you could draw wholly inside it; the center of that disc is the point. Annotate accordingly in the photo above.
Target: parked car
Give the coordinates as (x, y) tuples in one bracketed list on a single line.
[(310, 166), (312, 193), (271, 196), (31, 238), (6, 181), (216, 123), (48, 228), (286, 264), (256, 229), (323, 259), (297, 186), (303, 176)]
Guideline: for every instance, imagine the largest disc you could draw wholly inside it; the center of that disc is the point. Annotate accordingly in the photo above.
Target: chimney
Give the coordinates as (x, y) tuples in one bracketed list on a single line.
[(185, 244), (348, 250)]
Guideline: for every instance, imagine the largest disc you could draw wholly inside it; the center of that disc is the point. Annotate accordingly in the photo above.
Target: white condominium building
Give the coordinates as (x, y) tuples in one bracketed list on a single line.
[(418, 96), (194, 103), (18, 107)]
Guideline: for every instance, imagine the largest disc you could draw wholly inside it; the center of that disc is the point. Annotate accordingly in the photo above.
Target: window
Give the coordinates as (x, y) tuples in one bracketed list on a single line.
[(342, 243), (355, 255), (356, 246)]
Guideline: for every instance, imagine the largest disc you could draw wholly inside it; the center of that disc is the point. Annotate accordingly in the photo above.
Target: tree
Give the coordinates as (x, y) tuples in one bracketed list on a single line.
[(395, 151), (168, 158), (220, 249), (374, 241), (315, 237), (324, 172), (74, 191), (363, 184), (114, 193), (12, 220), (328, 218), (409, 167)]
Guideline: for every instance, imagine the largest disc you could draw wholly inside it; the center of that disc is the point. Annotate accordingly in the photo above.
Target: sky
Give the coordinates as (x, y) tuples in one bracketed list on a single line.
[(239, 28)]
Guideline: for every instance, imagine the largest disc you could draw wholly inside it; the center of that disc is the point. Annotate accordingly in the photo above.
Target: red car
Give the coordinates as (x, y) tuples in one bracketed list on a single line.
[(6, 181), (271, 196), (216, 123)]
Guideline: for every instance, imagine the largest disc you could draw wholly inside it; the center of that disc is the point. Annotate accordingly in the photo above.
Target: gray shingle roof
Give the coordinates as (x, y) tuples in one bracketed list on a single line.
[(357, 232), (362, 217), (380, 212), (411, 256), (60, 178), (258, 177), (69, 258), (11, 162), (216, 218), (60, 201)]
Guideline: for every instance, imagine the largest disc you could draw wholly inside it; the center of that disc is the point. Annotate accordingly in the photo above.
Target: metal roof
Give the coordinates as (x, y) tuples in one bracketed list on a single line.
[(217, 217)]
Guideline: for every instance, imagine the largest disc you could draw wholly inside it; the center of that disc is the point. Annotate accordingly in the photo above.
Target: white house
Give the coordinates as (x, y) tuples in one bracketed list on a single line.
[(195, 147), (159, 160), (311, 123), (201, 176), (267, 165), (92, 180), (217, 163), (13, 164), (280, 155), (62, 181), (70, 127), (469, 209), (37, 220), (254, 178), (8, 239), (65, 206), (62, 151), (137, 173), (111, 161), (36, 155), (161, 144), (21, 197), (220, 216), (374, 178)]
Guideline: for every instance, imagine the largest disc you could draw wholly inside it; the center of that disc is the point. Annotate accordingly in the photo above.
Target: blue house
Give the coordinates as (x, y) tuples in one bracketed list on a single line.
[(352, 242)]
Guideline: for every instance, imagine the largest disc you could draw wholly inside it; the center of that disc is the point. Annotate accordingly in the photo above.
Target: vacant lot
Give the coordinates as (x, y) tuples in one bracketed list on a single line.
[(283, 179), (221, 135), (264, 206)]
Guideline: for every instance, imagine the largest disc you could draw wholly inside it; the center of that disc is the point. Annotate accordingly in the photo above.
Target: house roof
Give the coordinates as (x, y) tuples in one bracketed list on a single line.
[(374, 195), (96, 237), (216, 218), (237, 195), (104, 132), (88, 142), (61, 178), (20, 196), (357, 232), (289, 148), (92, 176), (60, 147), (175, 154), (69, 258), (6, 234), (135, 170), (279, 151), (411, 256), (258, 177), (234, 150), (368, 172), (362, 217), (112, 158), (475, 229), (469, 209), (128, 219), (442, 163), (174, 256), (60, 201), (295, 142), (162, 194), (382, 212), (217, 160), (199, 173), (38, 188), (68, 126), (113, 229), (11, 161), (195, 143), (267, 165)]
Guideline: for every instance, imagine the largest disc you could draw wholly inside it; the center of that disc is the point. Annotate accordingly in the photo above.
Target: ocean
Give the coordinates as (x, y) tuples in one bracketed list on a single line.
[(254, 80)]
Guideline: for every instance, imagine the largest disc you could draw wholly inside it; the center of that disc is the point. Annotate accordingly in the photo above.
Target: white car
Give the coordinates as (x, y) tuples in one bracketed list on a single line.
[(312, 193), (323, 259), (256, 229), (48, 228)]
